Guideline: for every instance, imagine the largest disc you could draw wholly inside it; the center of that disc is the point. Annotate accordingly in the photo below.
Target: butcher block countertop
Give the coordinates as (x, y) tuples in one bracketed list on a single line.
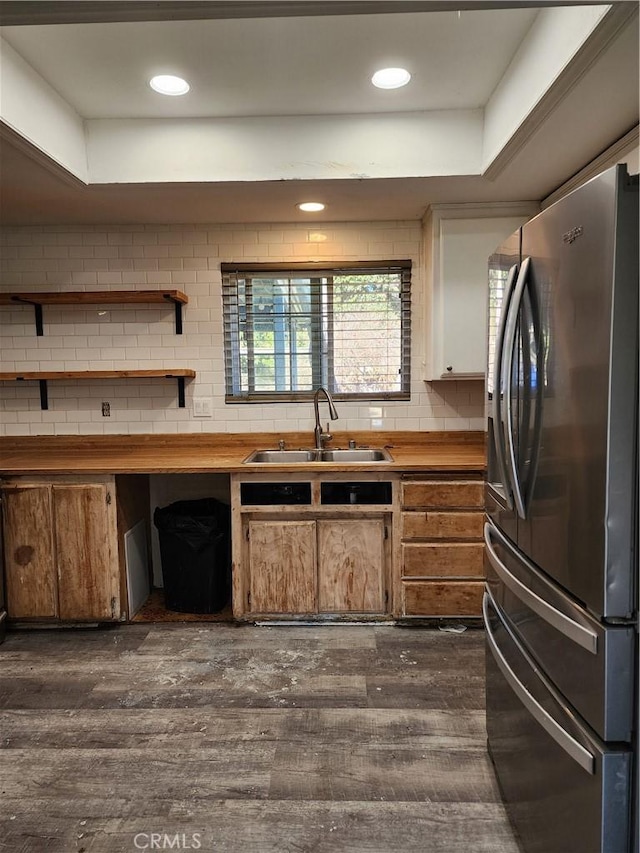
[(412, 452)]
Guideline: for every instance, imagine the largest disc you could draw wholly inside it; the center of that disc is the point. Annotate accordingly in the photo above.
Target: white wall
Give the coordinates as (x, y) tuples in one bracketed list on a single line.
[(31, 107), (390, 145), (184, 257), (558, 33)]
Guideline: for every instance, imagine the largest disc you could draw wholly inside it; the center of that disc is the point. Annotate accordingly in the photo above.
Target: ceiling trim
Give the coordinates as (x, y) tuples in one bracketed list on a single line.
[(609, 157), (616, 19), (480, 209), (12, 137), (38, 12)]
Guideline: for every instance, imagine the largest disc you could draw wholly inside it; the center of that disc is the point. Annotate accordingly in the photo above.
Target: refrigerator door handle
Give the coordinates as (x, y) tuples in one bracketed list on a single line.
[(568, 627), (570, 745), (496, 402), (506, 368)]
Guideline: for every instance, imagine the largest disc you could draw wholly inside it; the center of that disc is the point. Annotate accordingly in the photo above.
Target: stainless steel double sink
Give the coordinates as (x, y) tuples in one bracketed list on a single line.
[(305, 456)]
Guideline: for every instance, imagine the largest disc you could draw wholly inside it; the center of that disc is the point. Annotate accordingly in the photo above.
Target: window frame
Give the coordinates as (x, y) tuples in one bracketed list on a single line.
[(231, 272)]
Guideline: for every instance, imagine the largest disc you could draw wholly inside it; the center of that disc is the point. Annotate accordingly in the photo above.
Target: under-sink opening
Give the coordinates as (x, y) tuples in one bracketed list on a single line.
[(154, 610), (165, 489)]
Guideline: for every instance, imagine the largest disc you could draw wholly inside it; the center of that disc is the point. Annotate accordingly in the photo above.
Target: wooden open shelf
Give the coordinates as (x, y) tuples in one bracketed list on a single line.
[(43, 376), (97, 297)]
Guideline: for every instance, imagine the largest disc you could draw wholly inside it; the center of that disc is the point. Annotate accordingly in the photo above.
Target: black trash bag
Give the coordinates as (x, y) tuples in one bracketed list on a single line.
[(195, 548)]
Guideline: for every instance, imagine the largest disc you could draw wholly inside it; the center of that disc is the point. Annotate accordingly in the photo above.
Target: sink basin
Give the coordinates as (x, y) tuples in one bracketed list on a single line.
[(305, 456), (280, 456), (356, 455)]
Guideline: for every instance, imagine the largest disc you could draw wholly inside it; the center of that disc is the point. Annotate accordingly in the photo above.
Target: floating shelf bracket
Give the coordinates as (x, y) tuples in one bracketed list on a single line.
[(178, 309), (38, 312), (44, 394), (181, 399)]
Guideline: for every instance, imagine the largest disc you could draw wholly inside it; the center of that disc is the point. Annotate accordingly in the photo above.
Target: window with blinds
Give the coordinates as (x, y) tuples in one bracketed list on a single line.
[(289, 330)]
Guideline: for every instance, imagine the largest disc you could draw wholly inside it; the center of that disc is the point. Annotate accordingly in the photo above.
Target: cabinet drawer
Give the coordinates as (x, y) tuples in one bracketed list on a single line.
[(459, 560), (434, 598), (441, 494), (442, 525)]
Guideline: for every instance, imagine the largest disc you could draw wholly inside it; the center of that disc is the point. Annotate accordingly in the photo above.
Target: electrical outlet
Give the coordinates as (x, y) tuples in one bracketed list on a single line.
[(202, 407), (106, 410)]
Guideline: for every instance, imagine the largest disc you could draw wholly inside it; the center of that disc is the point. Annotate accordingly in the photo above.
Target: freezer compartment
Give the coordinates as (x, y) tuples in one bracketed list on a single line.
[(589, 662), (564, 789)]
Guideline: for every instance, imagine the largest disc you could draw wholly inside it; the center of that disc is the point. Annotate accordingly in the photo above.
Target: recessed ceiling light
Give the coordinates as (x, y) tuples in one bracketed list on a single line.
[(310, 206), (167, 84), (391, 78)]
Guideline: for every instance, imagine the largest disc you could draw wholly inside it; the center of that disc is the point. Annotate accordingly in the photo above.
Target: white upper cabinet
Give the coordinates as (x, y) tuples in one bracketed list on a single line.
[(458, 240)]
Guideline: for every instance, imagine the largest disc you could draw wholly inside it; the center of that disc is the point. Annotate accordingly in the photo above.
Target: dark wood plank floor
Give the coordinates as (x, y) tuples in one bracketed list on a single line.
[(246, 739)]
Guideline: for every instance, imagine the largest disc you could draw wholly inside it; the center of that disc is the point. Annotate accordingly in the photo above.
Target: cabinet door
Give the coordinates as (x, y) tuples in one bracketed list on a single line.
[(29, 557), (459, 270), (86, 552), (282, 566), (351, 565)]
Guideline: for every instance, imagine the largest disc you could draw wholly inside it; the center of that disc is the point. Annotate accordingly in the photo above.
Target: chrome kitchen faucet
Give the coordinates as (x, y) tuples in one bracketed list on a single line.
[(318, 434)]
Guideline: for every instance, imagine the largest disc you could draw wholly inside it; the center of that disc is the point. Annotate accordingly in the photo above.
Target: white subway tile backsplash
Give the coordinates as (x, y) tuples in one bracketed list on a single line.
[(91, 238), (82, 277), (183, 257), (171, 238), (156, 251), (15, 429), (144, 238), (121, 265), (30, 251), (120, 238), (106, 279), (80, 251), (196, 264), (171, 264), (145, 264)]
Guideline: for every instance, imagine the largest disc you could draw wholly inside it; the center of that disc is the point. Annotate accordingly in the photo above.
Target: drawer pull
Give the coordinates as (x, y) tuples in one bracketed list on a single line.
[(568, 627), (568, 743)]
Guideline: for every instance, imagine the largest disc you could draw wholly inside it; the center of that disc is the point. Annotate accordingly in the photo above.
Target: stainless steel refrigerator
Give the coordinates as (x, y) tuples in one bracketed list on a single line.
[(561, 599), (3, 609)]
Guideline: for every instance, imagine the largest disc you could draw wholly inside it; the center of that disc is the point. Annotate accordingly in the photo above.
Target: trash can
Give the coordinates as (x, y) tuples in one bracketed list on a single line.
[(195, 550)]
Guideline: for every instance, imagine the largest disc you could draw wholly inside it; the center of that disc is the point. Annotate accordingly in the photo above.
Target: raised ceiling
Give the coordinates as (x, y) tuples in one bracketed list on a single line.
[(267, 81), (276, 66)]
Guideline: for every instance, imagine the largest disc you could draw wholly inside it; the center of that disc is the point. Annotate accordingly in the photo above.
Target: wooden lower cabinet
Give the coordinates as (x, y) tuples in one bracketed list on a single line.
[(63, 551), (29, 552), (282, 566), (310, 566), (442, 570), (84, 520), (351, 564)]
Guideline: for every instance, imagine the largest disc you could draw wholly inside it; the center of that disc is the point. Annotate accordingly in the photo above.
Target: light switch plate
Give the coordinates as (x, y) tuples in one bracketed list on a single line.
[(202, 407)]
